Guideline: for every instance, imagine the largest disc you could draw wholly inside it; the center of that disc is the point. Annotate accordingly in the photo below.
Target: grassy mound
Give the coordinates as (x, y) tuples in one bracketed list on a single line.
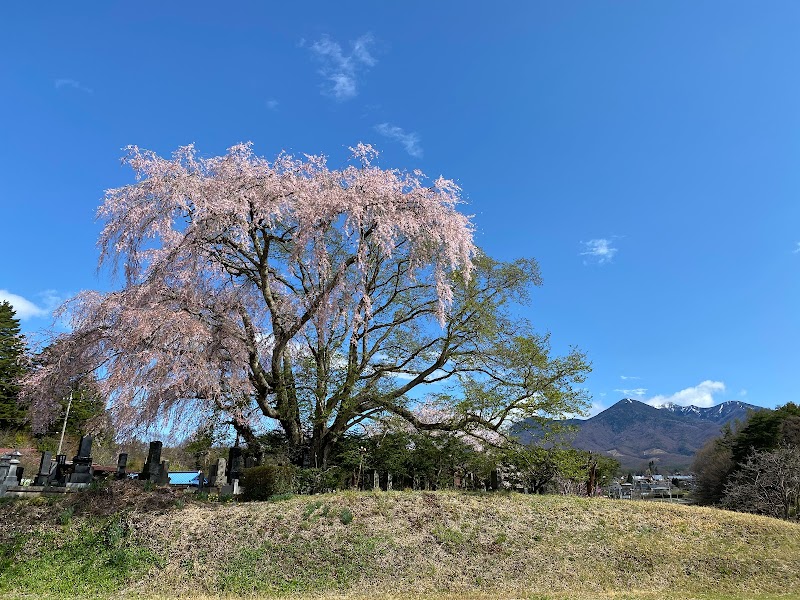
[(399, 544)]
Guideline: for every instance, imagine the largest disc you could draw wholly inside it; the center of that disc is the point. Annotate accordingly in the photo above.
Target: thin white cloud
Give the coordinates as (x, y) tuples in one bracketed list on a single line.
[(627, 377), (743, 392), (72, 84), (796, 250), (342, 70), (599, 251), (25, 309), (595, 409), (701, 395), (272, 104), (634, 393), (409, 141)]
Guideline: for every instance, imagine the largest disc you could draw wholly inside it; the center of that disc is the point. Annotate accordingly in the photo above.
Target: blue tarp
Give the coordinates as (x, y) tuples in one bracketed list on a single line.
[(183, 478)]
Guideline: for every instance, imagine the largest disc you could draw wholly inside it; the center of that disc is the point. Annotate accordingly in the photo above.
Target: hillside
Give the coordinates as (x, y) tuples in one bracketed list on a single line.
[(400, 543), (635, 433)]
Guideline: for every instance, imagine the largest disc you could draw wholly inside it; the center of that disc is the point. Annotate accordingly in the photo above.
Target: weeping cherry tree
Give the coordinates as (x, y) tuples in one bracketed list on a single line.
[(288, 294)]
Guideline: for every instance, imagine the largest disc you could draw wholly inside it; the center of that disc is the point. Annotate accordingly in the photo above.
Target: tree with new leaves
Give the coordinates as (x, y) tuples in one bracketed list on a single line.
[(12, 367), (767, 483), (290, 294)]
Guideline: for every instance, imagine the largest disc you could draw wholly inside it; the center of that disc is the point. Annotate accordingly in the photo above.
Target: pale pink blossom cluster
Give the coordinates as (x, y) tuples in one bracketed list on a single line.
[(227, 260)]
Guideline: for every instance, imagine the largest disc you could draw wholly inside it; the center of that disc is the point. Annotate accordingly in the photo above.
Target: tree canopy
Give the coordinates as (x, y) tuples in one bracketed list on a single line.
[(289, 294), (12, 367), (763, 441)]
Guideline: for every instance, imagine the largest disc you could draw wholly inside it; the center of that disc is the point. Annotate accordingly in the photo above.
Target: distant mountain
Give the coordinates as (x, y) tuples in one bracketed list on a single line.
[(721, 413), (635, 433)]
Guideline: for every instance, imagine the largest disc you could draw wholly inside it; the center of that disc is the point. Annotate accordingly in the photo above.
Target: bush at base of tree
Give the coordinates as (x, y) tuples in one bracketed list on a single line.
[(261, 483)]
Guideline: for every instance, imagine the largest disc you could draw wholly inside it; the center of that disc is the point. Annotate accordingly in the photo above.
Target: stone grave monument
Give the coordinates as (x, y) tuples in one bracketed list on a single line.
[(152, 468), (45, 469), (82, 472), (217, 476), (122, 464)]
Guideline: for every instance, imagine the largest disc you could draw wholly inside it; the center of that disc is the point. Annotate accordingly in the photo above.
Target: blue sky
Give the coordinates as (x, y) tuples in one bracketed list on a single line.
[(645, 153)]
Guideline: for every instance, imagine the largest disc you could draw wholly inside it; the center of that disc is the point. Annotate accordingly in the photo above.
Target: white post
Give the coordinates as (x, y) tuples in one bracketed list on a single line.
[(64, 427)]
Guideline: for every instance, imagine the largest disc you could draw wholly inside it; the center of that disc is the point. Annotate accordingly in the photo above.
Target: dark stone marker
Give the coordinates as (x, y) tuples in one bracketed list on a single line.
[(152, 468), (236, 463), (85, 446), (122, 466), (82, 470), (163, 473), (494, 481), (58, 476), (45, 465)]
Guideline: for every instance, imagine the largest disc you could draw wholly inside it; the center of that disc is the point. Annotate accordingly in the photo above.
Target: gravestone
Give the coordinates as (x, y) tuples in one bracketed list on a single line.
[(9, 464), (376, 480), (45, 468), (217, 476), (5, 463), (152, 468), (388, 482), (163, 473), (236, 464), (122, 466), (494, 480), (58, 477), (82, 470), (200, 481)]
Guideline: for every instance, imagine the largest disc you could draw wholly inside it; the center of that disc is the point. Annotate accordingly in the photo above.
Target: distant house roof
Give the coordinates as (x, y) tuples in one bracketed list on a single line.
[(183, 478)]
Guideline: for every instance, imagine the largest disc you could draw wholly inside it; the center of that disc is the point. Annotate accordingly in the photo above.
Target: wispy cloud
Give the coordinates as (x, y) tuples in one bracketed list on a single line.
[(72, 84), (341, 70), (796, 250), (701, 395), (410, 141), (27, 309), (628, 377), (272, 104), (634, 393), (599, 251)]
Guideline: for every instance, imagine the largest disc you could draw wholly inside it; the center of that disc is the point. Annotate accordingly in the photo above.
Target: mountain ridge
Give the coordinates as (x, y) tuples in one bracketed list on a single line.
[(636, 433)]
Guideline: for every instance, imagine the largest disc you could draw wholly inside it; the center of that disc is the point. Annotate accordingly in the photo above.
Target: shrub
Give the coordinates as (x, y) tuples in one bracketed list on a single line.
[(261, 483), (315, 481)]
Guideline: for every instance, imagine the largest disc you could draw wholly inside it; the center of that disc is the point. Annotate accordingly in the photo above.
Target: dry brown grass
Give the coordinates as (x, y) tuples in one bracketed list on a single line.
[(448, 545)]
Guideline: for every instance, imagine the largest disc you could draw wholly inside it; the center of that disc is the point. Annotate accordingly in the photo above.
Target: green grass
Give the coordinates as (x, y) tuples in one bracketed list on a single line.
[(402, 545), (92, 558)]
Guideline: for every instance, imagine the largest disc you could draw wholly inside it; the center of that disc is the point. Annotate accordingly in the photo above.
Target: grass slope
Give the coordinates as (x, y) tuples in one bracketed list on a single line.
[(399, 544)]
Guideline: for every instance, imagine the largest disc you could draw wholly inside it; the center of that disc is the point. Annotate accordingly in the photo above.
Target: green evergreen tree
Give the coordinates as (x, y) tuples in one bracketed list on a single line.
[(12, 366)]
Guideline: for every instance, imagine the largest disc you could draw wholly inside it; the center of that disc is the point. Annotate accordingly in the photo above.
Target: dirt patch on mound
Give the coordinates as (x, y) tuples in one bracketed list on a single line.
[(117, 497), (124, 496)]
